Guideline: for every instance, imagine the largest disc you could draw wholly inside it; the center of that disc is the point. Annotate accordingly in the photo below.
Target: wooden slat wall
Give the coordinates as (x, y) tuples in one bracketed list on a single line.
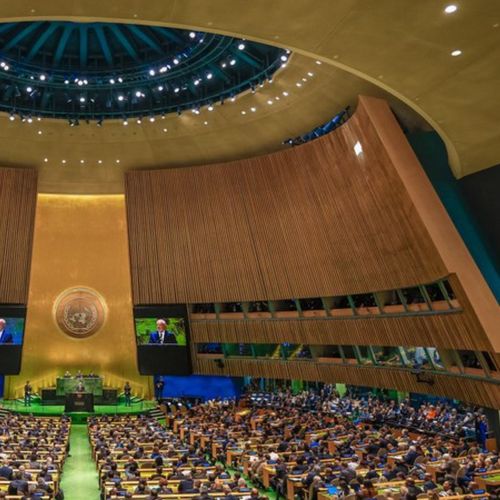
[(447, 331), (313, 220), (473, 391), (18, 190)]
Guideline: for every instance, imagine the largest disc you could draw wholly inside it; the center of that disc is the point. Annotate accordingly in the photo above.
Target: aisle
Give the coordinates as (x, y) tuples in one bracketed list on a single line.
[(79, 479)]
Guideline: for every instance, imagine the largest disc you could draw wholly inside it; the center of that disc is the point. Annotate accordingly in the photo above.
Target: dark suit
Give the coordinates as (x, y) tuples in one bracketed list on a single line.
[(168, 338), (6, 472), (6, 338)]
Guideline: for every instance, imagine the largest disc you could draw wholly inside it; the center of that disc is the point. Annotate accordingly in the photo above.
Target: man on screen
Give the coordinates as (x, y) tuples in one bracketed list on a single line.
[(5, 336), (162, 335)]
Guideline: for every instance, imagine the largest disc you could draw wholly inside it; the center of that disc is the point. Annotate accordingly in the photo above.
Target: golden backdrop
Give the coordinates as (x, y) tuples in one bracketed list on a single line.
[(80, 241)]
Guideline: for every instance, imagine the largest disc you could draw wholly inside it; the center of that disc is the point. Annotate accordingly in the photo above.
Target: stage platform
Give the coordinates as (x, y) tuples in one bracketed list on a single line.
[(39, 410)]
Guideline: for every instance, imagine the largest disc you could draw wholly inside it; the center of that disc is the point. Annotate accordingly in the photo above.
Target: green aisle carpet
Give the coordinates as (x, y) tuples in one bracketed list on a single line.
[(79, 478)]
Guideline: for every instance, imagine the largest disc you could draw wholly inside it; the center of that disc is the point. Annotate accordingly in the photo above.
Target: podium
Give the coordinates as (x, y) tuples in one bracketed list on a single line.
[(79, 401)]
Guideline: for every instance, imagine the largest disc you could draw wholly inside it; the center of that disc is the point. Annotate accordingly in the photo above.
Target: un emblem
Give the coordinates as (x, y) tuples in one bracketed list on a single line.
[(79, 312)]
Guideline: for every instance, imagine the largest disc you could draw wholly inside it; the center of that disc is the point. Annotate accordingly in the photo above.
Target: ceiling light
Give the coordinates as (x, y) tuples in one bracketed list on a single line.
[(205, 123), (99, 161), (43, 77), (82, 99), (152, 72), (2, 64), (66, 82), (120, 79), (86, 82), (449, 9), (152, 119), (284, 58), (138, 93), (241, 46), (192, 34), (319, 63), (163, 69), (456, 52), (210, 108), (117, 161), (233, 98), (45, 160), (112, 81), (277, 98), (253, 110), (176, 90), (298, 84), (160, 88), (243, 112), (310, 73), (12, 117), (224, 64), (209, 76), (197, 82), (232, 62), (121, 98), (269, 102), (285, 94), (176, 61), (30, 120), (40, 132), (80, 83), (304, 79), (29, 90), (165, 130), (63, 162), (82, 161), (125, 122), (358, 149), (6, 67), (139, 121)]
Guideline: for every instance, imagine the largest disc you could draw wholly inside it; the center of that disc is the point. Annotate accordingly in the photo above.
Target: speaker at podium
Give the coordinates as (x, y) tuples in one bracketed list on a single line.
[(79, 401)]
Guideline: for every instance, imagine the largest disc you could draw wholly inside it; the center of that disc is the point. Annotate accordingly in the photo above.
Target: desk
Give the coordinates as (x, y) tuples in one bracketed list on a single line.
[(65, 385), (79, 401)]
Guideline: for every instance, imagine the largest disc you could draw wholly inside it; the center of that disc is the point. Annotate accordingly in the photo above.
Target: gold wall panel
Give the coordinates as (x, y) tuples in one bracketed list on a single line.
[(80, 241)]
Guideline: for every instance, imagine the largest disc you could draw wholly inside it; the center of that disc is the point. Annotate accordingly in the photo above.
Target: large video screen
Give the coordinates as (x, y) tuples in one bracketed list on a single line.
[(162, 334), (12, 319)]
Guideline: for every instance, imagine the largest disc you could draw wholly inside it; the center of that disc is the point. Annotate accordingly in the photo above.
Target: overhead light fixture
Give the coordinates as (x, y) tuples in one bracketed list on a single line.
[(319, 63), (112, 81), (125, 122), (152, 72), (117, 161), (285, 93), (253, 110), (243, 112), (100, 162), (45, 160), (165, 130), (12, 117), (29, 90), (450, 9), (210, 108), (358, 149), (82, 99), (40, 132), (139, 121), (43, 77), (63, 162), (192, 34), (160, 88), (456, 52), (152, 119), (82, 161), (121, 98), (209, 76), (232, 62), (176, 61), (269, 102), (241, 46), (284, 58)]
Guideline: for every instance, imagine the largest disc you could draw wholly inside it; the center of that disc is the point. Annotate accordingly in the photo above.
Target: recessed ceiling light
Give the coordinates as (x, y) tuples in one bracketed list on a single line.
[(165, 130), (298, 84), (232, 62), (449, 9), (241, 46), (43, 78), (40, 132), (285, 94), (269, 102), (319, 63), (192, 34), (152, 72), (117, 161), (152, 119), (99, 161), (205, 123), (253, 110), (210, 108), (82, 161), (45, 160), (63, 161), (456, 53), (243, 112), (310, 73), (358, 149), (121, 98)]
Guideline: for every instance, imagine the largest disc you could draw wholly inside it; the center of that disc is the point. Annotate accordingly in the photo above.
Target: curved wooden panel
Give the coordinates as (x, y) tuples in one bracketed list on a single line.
[(18, 189), (309, 221), (469, 390)]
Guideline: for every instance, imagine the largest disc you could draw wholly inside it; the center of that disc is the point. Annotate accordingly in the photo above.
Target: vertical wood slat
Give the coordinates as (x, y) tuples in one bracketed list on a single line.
[(309, 221), (18, 191)]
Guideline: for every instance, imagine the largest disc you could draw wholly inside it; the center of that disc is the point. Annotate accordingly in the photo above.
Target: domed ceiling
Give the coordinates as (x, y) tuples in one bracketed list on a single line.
[(96, 71)]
